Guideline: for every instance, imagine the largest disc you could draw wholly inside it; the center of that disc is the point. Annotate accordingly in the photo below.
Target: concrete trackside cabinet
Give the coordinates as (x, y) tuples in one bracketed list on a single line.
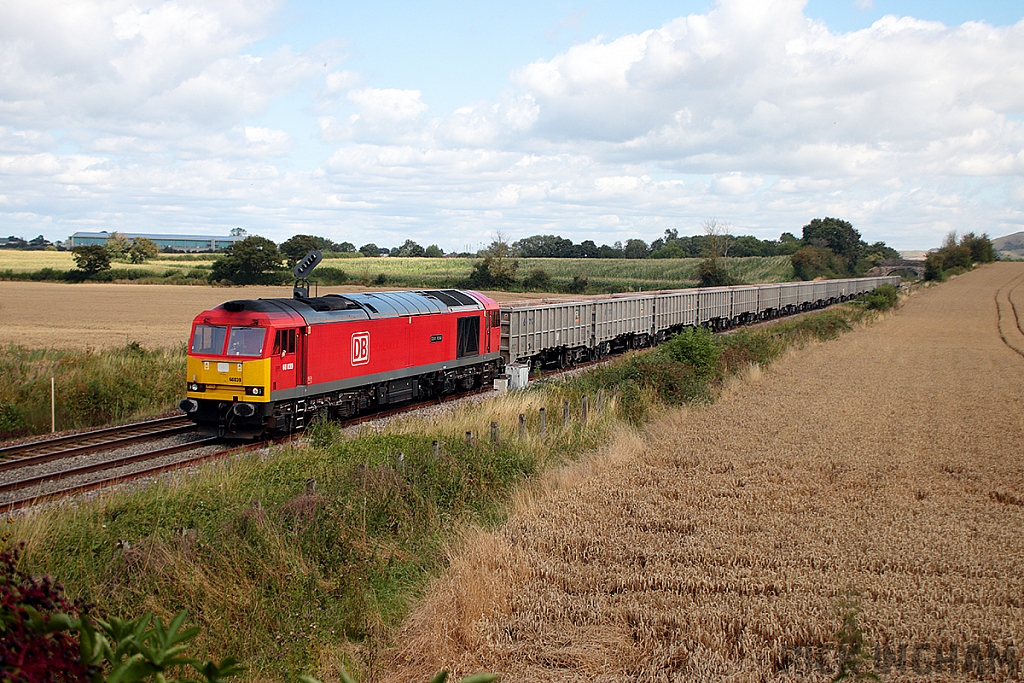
[(518, 375)]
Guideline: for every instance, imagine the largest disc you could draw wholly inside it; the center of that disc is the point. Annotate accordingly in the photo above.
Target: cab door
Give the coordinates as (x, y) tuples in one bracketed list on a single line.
[(487, 330), (285, 359)]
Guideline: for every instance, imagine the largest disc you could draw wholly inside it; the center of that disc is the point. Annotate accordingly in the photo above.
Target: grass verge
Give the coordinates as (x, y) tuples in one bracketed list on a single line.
[(91, 388), (299, 560)]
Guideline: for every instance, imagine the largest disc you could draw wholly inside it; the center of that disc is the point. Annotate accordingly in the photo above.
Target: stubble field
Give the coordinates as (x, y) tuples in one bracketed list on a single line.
[(96, 316), (878, 477)]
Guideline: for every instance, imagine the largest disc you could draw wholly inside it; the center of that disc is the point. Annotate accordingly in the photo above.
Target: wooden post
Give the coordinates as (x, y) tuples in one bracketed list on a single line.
[(600, 400), (565, 412), (543, 421), (583, 410), (437, 448), (469, 438), (53, 406), (494, 432), (522, 426)]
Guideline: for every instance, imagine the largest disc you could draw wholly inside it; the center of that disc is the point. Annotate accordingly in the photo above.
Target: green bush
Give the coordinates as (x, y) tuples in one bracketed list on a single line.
[(882, 298), (578, 285), (697, 348), (538, 280)]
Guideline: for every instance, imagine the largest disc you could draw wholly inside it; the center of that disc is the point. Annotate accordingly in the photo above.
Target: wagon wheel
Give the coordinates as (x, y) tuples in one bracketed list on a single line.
[(563, 359)]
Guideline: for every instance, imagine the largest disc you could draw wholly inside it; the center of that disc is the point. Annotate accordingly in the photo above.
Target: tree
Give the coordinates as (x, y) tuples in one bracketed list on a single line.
[(981, 247), (543, 246), (91, 258), (254, 260), (838, 235), (433, 251), (635, 249), (15, 243), (297, 246), (371, 250), (347, 248), (38, 243), (812, 262), (239, 232), (498, 268), (142, 249), (117, 245), (712, 270), (408, 249)]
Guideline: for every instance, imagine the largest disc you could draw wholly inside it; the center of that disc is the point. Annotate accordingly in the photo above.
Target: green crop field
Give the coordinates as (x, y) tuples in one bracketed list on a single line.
[(601, 275)]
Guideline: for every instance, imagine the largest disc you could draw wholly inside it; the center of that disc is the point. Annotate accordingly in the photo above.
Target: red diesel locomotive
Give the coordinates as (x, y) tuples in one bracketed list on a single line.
[(270, 365)]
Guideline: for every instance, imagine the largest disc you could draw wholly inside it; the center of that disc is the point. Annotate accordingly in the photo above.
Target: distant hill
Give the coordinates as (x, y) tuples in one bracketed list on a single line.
[(1010, 245)]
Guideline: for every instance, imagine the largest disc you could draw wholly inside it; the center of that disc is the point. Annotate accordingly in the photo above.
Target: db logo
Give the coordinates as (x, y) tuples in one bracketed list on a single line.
[(360, 348)]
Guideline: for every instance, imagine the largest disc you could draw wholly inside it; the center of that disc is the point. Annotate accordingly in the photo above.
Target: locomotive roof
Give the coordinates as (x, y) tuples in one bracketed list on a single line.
[(362, 306)]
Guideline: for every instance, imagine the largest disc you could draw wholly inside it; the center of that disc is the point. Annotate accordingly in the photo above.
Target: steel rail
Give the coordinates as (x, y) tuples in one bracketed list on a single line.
[(104, 465), (11, 451), (30, 460)]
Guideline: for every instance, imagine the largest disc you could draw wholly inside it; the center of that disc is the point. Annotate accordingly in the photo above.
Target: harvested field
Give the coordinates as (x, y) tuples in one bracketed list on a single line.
[(884, 470), (80, 316)]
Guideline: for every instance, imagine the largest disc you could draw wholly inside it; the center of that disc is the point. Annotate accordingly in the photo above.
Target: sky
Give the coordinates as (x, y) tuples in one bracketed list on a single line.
[(453, 121)]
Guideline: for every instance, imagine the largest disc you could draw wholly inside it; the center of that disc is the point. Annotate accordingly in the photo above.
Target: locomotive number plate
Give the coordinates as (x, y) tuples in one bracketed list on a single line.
[(360, 348), (435, 338)]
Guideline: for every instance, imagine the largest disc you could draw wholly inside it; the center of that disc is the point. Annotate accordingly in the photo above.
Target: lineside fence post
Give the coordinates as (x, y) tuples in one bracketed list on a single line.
[(469, 438), (53, 406), (494, 432), (583, 410), (522, 426), (565, 412), (543, 421)]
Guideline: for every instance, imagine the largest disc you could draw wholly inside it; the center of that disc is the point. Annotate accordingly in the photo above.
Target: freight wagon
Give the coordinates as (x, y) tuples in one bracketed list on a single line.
[(564, 333)]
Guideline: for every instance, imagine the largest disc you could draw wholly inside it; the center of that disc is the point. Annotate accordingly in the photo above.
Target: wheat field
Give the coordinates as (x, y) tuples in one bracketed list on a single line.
[(879, 475)]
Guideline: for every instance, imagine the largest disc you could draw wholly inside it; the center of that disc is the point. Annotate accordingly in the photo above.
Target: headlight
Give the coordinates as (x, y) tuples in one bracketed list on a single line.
[(254, 391), (195, 386)]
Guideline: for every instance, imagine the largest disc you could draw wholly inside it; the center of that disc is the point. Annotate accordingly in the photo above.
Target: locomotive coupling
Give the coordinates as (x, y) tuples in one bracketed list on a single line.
[(188, 405)]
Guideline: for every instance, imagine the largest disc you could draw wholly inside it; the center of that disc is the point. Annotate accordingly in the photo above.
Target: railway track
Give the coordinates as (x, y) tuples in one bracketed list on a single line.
[(113, 468), (71, 445)]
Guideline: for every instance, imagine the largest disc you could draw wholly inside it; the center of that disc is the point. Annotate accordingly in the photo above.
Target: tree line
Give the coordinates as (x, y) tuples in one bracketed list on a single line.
[(827, 248)]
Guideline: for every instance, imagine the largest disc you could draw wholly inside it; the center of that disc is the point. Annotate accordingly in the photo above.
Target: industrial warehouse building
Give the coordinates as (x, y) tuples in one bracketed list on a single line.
[(183, 243)]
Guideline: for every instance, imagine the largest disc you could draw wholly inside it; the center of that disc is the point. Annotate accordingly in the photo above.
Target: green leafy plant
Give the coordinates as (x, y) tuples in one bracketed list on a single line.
[(852, 646), (882, 298)]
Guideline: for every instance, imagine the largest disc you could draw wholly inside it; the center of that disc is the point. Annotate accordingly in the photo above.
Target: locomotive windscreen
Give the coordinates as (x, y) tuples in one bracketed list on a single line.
[(468, 337)]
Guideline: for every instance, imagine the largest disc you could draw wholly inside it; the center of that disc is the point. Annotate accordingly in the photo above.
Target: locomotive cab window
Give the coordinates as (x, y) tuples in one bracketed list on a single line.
[(246, 341), (209, 339), (284, 342), (468, 343)]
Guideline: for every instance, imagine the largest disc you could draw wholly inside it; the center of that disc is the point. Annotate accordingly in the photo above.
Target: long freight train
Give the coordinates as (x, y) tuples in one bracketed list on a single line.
[(270, 365)]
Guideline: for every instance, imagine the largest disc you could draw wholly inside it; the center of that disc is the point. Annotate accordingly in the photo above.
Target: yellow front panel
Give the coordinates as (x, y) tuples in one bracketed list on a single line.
[(226, 380)]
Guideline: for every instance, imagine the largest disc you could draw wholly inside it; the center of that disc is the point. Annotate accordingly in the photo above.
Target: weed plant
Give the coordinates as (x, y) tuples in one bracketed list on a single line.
[(294, 559), (92, 388)]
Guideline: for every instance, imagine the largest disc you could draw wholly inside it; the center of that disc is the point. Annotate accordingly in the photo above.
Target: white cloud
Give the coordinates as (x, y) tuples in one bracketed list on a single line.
[(735, 183), (388, 104), (751, 113)]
